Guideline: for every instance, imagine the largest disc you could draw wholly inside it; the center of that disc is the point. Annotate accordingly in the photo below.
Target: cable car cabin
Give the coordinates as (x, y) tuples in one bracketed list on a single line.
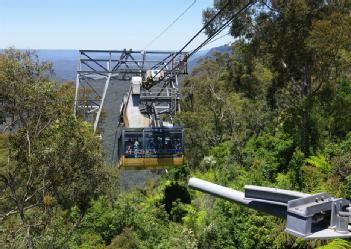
[(150, 148)]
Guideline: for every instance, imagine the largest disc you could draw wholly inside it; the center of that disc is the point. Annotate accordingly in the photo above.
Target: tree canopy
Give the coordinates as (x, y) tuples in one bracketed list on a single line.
[(50, 161), (273, 111)]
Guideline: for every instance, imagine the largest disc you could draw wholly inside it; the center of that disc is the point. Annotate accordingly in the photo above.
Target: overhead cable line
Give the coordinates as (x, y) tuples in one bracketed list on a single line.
[(210, 37), (218, 38), (208, 40), (170, 25), (220, 29)]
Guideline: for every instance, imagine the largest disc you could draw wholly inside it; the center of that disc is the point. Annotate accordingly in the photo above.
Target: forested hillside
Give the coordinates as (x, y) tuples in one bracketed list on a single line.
[(275, 111)]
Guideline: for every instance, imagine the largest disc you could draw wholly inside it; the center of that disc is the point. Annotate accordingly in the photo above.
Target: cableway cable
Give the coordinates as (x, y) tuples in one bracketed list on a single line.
[(220, 29), (170, 25), (193, 38), (208, 40), (226, 24), (218, 38)]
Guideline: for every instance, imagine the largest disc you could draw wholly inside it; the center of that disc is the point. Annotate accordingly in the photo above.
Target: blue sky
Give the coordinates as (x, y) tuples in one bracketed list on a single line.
[(99, 24)]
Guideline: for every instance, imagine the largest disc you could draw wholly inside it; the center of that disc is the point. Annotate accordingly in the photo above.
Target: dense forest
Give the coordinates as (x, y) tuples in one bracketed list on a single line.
[(275, 111)]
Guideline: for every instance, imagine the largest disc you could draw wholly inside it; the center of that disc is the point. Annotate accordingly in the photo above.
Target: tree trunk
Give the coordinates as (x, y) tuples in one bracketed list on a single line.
[(29, 238), (306, 115)]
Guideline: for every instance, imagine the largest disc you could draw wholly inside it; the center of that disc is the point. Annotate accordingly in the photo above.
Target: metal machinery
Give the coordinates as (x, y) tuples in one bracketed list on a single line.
[(309, 216), (145, 134)]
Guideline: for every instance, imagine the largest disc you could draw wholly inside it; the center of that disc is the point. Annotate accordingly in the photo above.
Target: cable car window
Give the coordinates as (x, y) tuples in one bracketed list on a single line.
[(177, 143), (133, 144), (153, 143), (163, 143)]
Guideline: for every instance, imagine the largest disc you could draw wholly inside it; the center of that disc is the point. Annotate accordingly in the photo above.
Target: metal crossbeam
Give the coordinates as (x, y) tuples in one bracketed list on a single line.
[(97, 68), (130, 61)]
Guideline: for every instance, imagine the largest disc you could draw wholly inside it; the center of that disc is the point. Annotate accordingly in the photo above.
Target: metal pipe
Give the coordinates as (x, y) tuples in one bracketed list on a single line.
[(271, 207), (218, 190)]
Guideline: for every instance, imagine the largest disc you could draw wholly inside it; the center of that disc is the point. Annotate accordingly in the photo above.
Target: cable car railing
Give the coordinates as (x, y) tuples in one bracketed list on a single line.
[(160, 94), (153, 153)]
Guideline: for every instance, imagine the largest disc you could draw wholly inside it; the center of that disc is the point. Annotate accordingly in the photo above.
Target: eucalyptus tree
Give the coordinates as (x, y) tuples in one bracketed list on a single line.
[(306, 45), (50, 160)]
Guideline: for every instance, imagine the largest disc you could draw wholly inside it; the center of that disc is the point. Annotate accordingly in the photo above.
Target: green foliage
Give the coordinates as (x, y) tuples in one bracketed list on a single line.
[(295, 167), (231, 226), (91, 241), (283, 181), (268, 154), (107, 220), (285, 38), (336, 244), (271, 113), (3, 148), (274, 112), (174, 196), (126, 240), (340, 121), (319, 161), (348, 188), (214, 111), (53, 161)]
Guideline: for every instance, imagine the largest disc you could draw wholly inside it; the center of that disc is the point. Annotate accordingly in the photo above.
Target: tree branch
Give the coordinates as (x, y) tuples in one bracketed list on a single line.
[(14, 211)]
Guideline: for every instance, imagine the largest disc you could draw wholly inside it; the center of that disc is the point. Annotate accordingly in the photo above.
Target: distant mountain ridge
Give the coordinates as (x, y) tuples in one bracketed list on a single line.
[(196, 59), (65, 62)]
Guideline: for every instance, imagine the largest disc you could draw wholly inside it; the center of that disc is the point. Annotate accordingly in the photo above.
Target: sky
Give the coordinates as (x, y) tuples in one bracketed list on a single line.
[(100, 24)]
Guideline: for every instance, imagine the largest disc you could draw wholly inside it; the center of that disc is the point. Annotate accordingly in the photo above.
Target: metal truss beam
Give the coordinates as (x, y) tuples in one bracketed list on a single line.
[(97, 68), (129, 61)]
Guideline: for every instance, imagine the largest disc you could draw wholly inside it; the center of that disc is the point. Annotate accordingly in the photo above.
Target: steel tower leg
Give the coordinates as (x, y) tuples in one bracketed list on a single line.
[(102, 102), (76, 96)]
